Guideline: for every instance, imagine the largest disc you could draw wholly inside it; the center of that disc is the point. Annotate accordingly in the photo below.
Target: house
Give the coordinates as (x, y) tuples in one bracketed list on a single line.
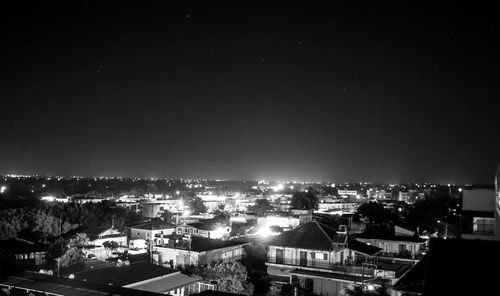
[(143, 276), (402, 246), (98, 236), (151, 230), (319, 258), (19, 255), (110, 235), (214, 228), (181, 251)]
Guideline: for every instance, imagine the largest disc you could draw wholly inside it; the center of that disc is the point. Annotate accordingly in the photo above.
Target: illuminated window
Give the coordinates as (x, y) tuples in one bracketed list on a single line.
[(484, 226)]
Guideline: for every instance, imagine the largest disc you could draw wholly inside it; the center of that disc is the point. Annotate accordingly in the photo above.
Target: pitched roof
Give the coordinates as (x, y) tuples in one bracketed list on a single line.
[(362, 247), (399, 238), (125, 275), (17, 246), (201, 244), (154, 225), (70, 287), (312, 235), (167, 284)]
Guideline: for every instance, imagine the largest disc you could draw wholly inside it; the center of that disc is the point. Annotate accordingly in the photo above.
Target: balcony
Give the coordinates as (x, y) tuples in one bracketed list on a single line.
[(354, 268)]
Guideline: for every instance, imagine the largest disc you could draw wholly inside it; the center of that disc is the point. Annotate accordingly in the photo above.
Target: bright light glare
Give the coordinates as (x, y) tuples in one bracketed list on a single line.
[(265, 231), (370, 287), (279, 187), (3, 189)]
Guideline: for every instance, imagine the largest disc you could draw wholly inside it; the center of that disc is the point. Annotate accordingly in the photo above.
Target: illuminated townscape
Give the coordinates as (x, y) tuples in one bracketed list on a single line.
[(264, 148)]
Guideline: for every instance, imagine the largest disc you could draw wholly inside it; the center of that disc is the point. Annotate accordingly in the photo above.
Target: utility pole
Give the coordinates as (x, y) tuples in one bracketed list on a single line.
[(58, 265)]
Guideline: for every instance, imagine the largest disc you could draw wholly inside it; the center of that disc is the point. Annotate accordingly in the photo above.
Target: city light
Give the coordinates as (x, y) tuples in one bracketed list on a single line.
[(265, 231)]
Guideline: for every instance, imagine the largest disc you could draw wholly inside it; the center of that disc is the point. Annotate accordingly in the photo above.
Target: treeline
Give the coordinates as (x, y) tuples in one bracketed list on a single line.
[(49, 221)]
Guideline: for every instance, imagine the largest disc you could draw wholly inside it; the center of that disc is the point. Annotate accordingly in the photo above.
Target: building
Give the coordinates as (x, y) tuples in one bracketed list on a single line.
[(479, 214), (109, 235), (31, 283), (151, 230), (19, 255), (346, 192), (143, 276), (333, 206), (401, 246), (319, 259), (154, 209), (209, 228), (181, 251)]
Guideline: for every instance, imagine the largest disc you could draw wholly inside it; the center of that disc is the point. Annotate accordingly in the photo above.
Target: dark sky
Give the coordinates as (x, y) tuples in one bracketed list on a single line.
[(250, 90)]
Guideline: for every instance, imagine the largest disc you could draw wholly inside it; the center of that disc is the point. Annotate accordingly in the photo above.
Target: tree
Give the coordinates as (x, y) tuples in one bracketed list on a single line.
[(261, 207), (231, 276), (79, 240), (305, 200), (196, 205), (375, 212), (167, 216), (72, 259)]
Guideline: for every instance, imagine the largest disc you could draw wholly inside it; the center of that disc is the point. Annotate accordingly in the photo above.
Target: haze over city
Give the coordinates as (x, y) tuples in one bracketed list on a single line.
[(254, 91)]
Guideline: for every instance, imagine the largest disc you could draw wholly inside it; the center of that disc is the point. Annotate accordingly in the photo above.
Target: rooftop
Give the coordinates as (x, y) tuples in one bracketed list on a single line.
[(16, 246), (201, 244), (154, 225), (330, 275), (125, 275), (362, 247), (68, 287), (399, 238), (312, 235), (166, 284)]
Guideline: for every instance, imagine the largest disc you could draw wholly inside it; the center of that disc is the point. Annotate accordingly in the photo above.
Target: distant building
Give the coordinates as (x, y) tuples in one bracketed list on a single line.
[(346, 193), (154, 209), (208, 228), (151, 230)]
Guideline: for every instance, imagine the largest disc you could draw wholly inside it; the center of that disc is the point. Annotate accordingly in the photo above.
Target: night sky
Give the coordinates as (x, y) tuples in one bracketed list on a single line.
[(249, 90)]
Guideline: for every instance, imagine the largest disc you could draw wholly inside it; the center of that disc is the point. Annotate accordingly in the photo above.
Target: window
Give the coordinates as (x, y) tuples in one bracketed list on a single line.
[(325, 256), (483, 225), (313, 255)]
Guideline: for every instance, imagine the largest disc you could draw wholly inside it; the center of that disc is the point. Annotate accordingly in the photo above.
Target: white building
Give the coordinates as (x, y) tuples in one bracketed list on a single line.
[(185, 251)]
